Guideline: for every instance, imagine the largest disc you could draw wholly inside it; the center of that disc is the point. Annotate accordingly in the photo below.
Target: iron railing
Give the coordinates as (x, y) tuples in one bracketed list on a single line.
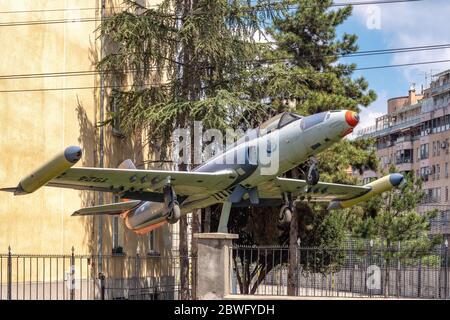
[(353, 271), (89, 277)]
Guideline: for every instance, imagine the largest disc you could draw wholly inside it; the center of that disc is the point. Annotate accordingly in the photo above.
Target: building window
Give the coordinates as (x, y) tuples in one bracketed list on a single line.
[(446, 194), (116, 247), (438, 147), (404, 156), (424, 173), (424, 151), (434, 148), (446, 170), (152, 242), (115, 233), (432, 195)]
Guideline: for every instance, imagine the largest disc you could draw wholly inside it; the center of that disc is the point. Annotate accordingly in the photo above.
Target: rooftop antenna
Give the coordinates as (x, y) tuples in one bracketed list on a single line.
[(428, 75)]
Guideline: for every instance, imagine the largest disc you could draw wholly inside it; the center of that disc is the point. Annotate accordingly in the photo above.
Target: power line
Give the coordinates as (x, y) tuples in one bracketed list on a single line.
[(68, 9), (349, 55), (79, 88), (337, 4), (162, 85), (94, 19), (56, 21), (402, 65)]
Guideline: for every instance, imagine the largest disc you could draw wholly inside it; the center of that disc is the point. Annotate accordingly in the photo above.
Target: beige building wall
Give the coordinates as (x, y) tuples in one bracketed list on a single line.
[(36, 124)]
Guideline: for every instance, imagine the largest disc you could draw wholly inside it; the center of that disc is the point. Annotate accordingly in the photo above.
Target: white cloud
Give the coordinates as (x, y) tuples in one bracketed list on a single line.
[(369, 115), (375, 110)]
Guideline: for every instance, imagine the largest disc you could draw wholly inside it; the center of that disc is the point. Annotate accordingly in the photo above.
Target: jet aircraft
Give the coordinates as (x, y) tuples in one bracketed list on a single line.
[(156, 197)]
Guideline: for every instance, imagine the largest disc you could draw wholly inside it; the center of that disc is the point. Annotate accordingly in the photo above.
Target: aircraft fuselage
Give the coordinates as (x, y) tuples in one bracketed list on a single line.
[(276, 147)]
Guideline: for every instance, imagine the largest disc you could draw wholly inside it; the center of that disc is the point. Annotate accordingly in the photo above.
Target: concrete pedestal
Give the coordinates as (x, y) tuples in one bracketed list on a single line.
[(213, 265)]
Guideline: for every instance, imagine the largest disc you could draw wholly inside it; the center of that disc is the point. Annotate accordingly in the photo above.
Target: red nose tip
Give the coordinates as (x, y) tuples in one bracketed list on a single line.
[(352, 118)]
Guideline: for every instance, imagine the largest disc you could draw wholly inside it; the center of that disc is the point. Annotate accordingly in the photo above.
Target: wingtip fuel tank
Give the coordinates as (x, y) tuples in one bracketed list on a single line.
[(376, 187), (50, 170)]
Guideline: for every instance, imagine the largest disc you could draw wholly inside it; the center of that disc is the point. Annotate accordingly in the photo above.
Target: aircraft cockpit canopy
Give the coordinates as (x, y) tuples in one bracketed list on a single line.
[(278, 121), (274, 123), (312, 120)]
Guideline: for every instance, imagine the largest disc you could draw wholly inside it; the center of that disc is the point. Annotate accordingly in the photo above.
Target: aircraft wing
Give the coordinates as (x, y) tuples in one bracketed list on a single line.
[(59, 172), (134, 180), (321, 192), (339, 195), (110, 209)]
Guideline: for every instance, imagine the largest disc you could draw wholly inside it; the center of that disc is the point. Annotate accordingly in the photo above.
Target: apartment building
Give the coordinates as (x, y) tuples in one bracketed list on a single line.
[(414, 136)]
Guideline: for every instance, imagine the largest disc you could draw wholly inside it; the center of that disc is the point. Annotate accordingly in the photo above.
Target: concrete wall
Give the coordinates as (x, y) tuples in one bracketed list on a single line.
[(37, 124)]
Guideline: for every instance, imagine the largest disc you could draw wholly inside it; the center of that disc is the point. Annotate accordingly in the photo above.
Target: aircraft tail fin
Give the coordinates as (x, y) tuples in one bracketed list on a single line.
[(127, 164), (108, 209)]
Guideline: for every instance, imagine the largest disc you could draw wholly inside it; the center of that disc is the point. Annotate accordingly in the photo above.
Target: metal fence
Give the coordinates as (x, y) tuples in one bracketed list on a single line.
[(84, 277), (342, 272)]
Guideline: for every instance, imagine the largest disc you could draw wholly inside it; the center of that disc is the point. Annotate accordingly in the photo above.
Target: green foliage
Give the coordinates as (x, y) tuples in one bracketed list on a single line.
[(313, 78), (335, 162), (186, 61), (396, 220)]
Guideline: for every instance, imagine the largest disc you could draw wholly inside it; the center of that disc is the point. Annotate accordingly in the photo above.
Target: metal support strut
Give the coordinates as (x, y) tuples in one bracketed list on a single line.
[(224, 217)]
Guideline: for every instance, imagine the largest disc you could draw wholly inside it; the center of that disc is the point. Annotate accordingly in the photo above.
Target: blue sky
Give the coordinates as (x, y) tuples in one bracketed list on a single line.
[(388, 26)]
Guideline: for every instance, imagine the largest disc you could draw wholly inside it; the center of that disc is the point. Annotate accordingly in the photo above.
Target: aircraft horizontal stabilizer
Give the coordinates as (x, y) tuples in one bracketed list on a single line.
[(107, 209)]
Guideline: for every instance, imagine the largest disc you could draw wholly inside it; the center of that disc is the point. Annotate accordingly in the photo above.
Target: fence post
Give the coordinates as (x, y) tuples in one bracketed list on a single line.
[(419, 279), (72, 274), (9, 286), (370, 263), (101, 276), (137, 270), (446, 270)]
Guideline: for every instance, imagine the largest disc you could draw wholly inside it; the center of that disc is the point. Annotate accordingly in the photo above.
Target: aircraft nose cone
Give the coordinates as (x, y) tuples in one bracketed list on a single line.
[(352, 118), (396, 179)]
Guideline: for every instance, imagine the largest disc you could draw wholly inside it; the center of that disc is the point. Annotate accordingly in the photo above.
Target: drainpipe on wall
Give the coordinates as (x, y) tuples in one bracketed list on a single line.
[(101, 142)]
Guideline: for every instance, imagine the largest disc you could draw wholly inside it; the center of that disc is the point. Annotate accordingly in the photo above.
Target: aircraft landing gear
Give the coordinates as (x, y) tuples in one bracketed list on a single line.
[(285, 216), (174, 213), (312, 176), (170, 199)]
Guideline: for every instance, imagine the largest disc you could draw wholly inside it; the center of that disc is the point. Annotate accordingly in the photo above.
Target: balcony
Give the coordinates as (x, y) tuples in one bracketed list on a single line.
[(402, 145), (440, 89), (405, 166), (377, 132)]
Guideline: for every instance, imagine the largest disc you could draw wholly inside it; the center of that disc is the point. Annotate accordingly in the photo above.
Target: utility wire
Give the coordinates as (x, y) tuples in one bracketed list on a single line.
[(337, 4), (162, 85), (79, 88), (93, 19), (349, 55), (402, 65)]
